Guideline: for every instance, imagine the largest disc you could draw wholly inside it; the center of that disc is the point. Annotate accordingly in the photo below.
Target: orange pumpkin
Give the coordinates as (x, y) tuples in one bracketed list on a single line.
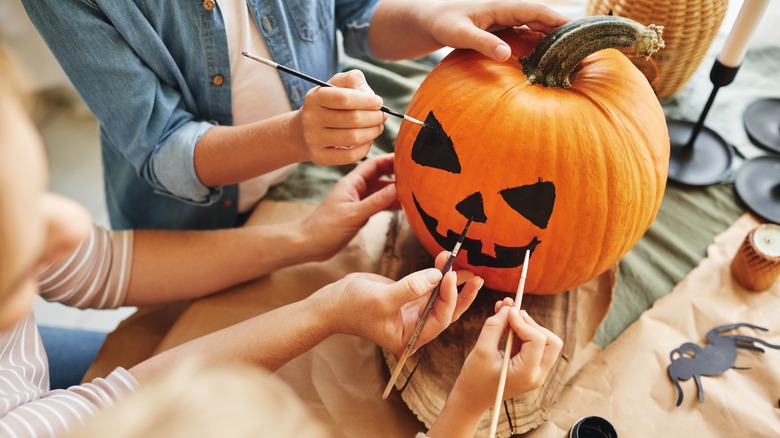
[(575, 174)]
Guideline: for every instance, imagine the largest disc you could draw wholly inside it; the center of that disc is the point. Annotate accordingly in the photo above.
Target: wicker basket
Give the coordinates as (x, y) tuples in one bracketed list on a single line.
[(689, 28)]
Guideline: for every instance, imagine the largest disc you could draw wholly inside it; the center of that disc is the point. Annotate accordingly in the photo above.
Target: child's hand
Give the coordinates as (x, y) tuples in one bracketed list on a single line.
[(338, 124), (534, 352), (386, 312)]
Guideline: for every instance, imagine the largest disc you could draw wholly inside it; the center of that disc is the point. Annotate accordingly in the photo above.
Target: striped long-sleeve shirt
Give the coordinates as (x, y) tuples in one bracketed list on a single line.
[(96, 275)]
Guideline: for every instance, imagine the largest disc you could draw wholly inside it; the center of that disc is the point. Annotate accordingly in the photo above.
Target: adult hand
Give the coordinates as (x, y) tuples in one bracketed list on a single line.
[(339, 123), (468, 24), (386, 312), (356, 197), (534, 351)]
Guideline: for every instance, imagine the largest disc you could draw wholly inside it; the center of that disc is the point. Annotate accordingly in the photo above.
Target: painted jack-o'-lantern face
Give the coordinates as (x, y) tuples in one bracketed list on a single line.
[(575, 175), (533, 201)]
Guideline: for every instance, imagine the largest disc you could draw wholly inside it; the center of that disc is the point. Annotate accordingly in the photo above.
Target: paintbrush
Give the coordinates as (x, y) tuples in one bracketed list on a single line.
[(306, 77), (418, 328), (508, 351)]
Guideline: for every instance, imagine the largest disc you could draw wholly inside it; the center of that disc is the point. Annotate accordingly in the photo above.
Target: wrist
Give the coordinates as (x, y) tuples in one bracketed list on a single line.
[(415, 26), (303, 242), (463, 401), (274, 247), (459, 418), (297, 132), (325, 309)]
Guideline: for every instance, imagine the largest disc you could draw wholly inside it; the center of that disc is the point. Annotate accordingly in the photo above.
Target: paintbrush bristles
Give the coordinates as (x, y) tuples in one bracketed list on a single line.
[(265, 61), (415, 121), (521, 284), (524, 272)]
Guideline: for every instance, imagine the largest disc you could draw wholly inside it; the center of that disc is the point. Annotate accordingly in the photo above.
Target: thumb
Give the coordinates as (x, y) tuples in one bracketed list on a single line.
[(493, 330), (414, 286)]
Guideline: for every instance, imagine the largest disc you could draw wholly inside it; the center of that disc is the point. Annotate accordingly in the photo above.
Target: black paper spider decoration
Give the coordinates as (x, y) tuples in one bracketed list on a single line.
[(717, 357)]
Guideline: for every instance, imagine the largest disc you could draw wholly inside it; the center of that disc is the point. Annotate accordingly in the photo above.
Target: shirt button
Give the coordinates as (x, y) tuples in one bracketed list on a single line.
[(209, 5), (218, 80), (228, 203), (297, 93), (267, 23)]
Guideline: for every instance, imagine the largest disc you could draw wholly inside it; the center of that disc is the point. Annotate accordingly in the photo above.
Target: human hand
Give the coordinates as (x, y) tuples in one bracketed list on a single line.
[(356, 197), (386, 312), (468, 24), (339, 123), (534, 352)]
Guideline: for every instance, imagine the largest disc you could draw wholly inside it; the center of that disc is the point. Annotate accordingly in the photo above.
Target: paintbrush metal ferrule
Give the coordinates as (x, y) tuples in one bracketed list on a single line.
[(462, 236), (524, 272), (321, 83), (451, 258), (428, 306)]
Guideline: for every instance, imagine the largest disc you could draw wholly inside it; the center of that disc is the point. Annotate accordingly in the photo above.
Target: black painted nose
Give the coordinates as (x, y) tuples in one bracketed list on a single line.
[(472, 207)]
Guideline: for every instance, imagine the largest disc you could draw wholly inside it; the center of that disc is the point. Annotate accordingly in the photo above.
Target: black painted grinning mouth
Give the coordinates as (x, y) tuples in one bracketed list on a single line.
[(506, 256)]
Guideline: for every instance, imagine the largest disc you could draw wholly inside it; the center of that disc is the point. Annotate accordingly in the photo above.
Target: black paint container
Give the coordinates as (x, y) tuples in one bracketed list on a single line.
[(592, 427)]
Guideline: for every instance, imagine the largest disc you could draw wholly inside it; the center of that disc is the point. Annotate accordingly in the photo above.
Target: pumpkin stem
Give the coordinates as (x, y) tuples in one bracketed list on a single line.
[(551, 62)]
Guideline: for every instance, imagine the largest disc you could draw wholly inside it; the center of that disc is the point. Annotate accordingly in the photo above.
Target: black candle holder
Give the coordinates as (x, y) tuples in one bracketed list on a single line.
[(762, 123), (758, 186), (699, 156), (758, 180)]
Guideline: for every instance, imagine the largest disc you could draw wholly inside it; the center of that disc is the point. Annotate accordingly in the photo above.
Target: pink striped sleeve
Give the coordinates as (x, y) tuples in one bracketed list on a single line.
[(56, 412), (95, 276)]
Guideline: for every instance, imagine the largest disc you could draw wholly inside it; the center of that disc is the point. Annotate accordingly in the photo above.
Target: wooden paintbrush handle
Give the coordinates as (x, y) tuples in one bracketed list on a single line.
[(501, 385), (507, 351)]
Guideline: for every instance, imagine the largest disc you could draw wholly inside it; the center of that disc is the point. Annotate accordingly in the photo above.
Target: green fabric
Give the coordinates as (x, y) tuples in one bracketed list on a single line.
[(689, 218), (686, 223)]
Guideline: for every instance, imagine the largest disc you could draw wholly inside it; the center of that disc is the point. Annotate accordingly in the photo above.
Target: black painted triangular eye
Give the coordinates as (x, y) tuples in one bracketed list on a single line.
[(434, 148), (535, 201), (472, 207)]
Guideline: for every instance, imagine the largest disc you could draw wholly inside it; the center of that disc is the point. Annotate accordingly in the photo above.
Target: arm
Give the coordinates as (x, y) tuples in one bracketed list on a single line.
[(269, 340), (366, 305), (475, 389), (335, 126), (147, 267), (408, 28), (151, 111), (28, 407), (177, 265), (55, 412)]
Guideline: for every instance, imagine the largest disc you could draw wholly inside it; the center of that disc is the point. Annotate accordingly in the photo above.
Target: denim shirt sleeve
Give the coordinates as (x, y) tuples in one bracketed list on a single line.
[(173, 166), (353, 19), (131, 89)]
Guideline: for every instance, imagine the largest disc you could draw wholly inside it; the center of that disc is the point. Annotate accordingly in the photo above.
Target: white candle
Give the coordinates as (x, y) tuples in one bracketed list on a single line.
[(737, 41), (766, 239)]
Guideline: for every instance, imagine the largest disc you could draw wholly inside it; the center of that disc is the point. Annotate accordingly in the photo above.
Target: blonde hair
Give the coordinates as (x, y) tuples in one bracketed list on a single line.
[(197, 400)]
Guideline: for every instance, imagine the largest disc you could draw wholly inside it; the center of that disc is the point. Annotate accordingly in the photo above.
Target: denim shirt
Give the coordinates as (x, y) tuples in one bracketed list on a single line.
[(156, 74)]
